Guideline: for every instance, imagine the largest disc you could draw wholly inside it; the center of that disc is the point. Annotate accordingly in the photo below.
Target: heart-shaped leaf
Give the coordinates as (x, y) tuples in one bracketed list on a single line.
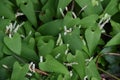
[(52, 65), (8, 62), (73, 39), (28, 9), (19, 72), (48, 11), (92, 71), (14, 43), (80, 60), (46, 29), (59, 52), (92, 38), (6, 11), (45, 48)]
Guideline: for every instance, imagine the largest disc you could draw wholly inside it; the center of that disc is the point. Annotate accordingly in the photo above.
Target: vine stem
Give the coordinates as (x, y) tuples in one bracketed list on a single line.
[(108, 73)]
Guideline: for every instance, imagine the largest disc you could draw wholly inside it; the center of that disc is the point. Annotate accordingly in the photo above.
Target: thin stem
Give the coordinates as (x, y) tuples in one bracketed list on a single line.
[(18, 58), (114, 54), (108, 74), (41, 72), (82, 10), (100, 55), (73, 4)]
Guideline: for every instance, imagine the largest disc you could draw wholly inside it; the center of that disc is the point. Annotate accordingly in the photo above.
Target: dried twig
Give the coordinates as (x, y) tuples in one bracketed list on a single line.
[(41, 72)]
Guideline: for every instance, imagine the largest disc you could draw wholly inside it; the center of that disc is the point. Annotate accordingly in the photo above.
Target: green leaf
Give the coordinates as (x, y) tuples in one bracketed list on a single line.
[(19, 72), (59, 52), (7, 51), (115, 27), (80, 67), (3, 24), (92, 38), (92, 71), (114, 41), (51, 28), (45, 46), (1, 44), (36, 4), (91, 8), (62, 4), (14, 43), (69, 21), (28, 9), (89, 21), (28, 28), (48, 11), (60, 77), (8, 62), (28, 53), (43, 1), (4, 74), (75, 75), (73, 39), (112, 7), (93, 78), (46, 15), (52, 65), (6, 11)]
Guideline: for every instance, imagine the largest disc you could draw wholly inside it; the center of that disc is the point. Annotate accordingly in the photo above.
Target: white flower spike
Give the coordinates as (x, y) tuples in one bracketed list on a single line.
[(32, 67)]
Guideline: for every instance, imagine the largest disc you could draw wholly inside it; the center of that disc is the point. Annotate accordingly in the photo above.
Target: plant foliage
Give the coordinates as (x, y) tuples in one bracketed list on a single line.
[(59, 39)]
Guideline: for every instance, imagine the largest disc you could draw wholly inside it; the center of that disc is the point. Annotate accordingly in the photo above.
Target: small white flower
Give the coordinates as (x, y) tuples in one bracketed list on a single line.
[(66, 51), (66, 8), (23, 36), (95, 2), (3, 17), (88, 60), (57, 55), (32, 67), (5, 66), (61, 11), (73, 13), (19, 14), (59, 40), (13, 28), (67, 30), (85, 78), (17, 27), (70, 64), (29, 74), (41, 58), (83, 9), (71, 73), (105, 19), (30, 32), (84, 43)]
